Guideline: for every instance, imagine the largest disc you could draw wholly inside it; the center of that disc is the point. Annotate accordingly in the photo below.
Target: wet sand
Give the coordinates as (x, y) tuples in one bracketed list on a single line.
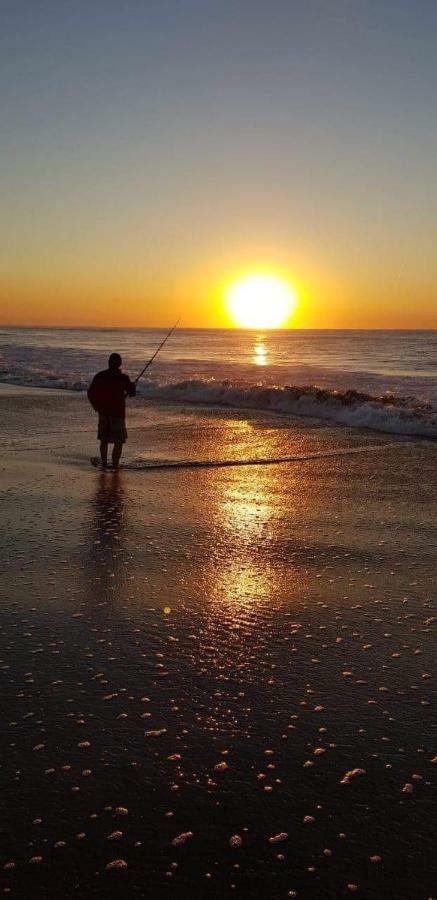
[(215, 682)]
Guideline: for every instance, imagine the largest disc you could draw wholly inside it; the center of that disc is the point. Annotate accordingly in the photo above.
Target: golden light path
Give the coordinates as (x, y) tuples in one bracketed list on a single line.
[(260, 301)]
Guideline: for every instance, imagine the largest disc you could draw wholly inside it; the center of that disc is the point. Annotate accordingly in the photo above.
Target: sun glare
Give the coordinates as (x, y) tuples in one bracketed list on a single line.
[(260, 301)]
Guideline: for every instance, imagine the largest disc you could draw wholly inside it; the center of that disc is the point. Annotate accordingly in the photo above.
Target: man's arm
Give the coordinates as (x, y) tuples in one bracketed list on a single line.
[(130, 388), (92, 394)]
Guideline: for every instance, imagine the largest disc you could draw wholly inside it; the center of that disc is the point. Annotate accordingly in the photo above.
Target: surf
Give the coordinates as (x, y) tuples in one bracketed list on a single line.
[(386, 413)]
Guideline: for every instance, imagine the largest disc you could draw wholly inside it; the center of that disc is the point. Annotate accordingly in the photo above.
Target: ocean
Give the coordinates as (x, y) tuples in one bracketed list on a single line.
[(383, 380)]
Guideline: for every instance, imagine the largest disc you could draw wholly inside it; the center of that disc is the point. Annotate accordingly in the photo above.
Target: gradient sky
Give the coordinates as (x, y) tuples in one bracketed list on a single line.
[(153, 150)]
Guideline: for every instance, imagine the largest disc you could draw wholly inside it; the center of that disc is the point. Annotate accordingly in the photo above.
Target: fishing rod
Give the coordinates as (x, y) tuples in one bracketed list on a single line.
[(157, 351)]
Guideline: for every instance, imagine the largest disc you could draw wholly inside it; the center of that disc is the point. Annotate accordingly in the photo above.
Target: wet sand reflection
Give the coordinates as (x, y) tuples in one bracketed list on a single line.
[(242, 587), (247, 569)]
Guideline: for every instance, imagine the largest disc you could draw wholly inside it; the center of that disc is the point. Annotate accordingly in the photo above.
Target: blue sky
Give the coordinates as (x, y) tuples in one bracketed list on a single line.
[(154, 148)]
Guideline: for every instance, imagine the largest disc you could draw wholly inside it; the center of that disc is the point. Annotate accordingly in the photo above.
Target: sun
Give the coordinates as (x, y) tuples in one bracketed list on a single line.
[(260, 301)]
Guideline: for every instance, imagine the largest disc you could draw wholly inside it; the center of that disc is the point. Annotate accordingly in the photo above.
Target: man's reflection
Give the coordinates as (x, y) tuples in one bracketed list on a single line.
[(107, 532)]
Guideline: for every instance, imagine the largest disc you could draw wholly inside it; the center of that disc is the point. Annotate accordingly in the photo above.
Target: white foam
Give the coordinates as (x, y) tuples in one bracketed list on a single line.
[(387, 413)]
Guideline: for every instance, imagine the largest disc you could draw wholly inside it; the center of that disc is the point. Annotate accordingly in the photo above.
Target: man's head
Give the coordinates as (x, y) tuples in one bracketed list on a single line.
[(114, 362)]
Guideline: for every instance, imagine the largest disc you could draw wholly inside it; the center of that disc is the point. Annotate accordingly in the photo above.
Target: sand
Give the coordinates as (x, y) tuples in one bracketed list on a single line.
[(215, 682)]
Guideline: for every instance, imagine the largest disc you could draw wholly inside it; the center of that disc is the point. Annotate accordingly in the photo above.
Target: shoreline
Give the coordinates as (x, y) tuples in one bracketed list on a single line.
[(355, 410)]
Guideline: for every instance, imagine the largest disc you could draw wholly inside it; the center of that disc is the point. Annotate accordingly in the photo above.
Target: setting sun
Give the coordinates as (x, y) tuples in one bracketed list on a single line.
[(260, 301)]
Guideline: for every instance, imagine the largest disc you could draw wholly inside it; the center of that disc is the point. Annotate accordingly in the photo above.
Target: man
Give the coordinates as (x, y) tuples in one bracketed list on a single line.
[(107, 395)]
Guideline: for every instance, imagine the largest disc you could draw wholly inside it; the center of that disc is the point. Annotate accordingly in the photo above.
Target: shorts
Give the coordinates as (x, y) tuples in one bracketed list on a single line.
[(111, 429)]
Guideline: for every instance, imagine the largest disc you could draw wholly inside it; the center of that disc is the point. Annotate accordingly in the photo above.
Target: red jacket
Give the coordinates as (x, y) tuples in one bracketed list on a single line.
[(108, 391)]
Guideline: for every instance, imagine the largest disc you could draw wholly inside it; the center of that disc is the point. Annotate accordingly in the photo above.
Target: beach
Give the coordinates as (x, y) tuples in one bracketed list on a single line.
[(215, 681)]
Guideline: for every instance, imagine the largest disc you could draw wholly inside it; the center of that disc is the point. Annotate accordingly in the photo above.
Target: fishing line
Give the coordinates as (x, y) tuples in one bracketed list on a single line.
[(157, 351)]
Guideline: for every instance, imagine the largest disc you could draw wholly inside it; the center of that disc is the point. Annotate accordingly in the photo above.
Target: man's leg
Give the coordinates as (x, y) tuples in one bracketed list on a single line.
[(116, 453), (104, 453)]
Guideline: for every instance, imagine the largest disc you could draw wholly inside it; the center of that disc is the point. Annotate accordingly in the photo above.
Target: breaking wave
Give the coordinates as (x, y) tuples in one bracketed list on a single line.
[(388, 412)]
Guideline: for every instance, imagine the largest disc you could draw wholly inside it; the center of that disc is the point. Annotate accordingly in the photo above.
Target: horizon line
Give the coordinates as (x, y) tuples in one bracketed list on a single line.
[(197, 328)]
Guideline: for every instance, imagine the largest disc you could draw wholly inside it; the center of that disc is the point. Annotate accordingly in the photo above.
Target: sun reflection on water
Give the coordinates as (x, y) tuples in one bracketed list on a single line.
[(260, 357)]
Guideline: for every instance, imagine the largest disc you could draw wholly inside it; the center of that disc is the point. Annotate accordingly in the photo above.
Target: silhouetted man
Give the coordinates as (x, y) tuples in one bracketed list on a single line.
[(107, 395)]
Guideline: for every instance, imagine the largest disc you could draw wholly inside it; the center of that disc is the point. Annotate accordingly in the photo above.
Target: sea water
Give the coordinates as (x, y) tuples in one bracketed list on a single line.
[(384, 380)]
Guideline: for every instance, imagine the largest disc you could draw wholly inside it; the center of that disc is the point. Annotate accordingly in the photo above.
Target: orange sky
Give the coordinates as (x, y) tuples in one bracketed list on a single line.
[(199, 299)]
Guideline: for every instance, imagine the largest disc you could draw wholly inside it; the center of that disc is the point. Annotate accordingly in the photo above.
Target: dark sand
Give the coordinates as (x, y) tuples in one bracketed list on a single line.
[(208, 652)]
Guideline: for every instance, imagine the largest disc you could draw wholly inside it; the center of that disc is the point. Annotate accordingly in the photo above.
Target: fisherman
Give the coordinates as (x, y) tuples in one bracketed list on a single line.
[(107, 395)]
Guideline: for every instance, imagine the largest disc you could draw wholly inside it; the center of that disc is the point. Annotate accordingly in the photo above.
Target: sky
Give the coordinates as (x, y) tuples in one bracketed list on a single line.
[(152, 151)]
